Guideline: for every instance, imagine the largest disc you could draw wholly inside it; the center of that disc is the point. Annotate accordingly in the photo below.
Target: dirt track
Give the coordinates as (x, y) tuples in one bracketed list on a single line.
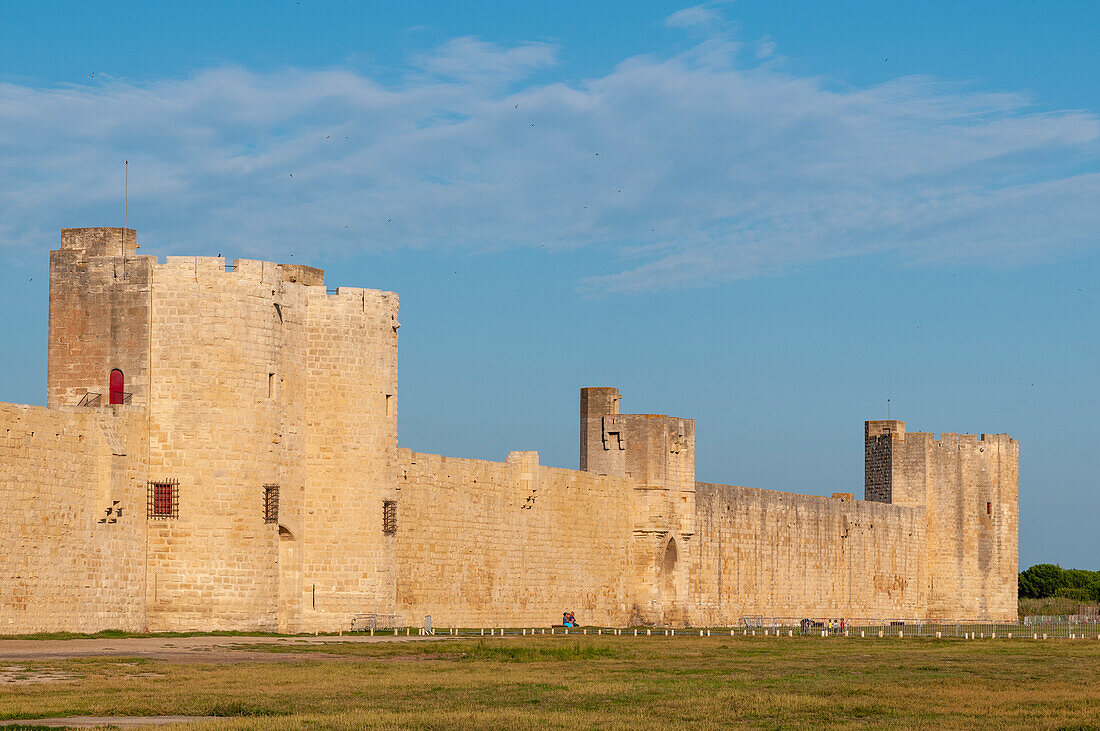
[(186, 649)]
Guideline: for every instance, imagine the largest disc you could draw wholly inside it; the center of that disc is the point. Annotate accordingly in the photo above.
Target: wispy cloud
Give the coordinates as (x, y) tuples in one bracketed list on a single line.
[(703, 15), (472, 59), (698, 167)]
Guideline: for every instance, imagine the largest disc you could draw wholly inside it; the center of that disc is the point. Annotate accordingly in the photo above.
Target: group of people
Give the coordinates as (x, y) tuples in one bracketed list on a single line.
[(569, 619), (833, 626)]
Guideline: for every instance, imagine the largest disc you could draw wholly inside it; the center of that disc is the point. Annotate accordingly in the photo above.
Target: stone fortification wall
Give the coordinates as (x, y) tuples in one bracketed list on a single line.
[(761, 552), (510, 544), (252, 378), (72, 497)]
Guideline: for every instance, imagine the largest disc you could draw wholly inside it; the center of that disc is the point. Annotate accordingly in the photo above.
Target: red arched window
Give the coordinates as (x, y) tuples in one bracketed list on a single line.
[(117, 383)]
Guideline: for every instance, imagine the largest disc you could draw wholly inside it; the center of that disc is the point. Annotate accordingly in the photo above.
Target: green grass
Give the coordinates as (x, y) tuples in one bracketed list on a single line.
[(117, 634), (594, 682)]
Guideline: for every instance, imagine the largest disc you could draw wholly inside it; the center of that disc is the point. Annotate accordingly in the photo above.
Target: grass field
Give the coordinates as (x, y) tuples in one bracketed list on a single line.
[(570, 682)]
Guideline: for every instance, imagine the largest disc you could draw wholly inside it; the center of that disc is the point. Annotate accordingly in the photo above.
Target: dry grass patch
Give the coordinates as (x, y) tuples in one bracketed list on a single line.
[(602, 682)]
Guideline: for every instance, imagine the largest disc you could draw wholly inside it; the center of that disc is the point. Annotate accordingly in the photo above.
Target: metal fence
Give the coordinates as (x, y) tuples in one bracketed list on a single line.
[(372, 622), (1031, 627), (771, 627)]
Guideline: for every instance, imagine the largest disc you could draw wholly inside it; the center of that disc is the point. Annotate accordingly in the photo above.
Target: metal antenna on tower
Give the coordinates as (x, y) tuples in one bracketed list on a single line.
[(126, 195), (887, 408)]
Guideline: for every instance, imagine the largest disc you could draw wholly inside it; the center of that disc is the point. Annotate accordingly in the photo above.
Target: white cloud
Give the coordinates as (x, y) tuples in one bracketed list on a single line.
[(696, 16), (471, 58), (697, 168)]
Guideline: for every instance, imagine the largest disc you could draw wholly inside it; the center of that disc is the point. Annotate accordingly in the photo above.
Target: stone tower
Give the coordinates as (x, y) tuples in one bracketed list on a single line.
[(99, 318), (969, 489), (271, 409), (658, 453)]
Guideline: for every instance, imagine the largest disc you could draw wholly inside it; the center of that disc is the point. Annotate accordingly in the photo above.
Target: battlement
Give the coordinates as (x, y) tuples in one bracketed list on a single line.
[(896, 430), (100, 241), (959, 441), (259, 271), (103, 243), (252, 269)]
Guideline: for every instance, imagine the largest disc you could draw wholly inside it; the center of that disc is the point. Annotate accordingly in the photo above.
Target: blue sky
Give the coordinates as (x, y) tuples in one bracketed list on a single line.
[(770, 217)]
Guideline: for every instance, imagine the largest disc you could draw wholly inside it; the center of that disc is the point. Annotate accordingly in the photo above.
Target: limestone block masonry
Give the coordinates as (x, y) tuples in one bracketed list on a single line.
[(219, 451)]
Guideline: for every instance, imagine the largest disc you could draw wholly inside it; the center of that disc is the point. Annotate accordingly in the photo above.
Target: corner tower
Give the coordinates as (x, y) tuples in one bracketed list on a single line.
[(968, 487)]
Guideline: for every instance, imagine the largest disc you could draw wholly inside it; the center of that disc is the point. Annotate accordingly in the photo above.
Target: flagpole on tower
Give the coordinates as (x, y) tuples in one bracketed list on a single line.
[(126, 195)]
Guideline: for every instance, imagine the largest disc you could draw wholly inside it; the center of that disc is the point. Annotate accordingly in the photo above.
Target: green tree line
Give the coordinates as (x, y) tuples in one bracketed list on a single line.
[(1046, 579)]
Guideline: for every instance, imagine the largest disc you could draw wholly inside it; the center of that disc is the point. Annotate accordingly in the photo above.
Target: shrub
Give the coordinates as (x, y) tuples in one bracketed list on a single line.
[(1075, 593), (1041, 580), (1050, 606), (1079, 578)]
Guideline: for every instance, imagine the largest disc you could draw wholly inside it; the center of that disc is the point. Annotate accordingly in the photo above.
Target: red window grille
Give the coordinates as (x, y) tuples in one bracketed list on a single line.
[(164, 499), (117, 387)]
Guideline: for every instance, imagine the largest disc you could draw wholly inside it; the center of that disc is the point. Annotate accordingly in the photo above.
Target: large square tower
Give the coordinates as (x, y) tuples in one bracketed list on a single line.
[(271, 405)]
